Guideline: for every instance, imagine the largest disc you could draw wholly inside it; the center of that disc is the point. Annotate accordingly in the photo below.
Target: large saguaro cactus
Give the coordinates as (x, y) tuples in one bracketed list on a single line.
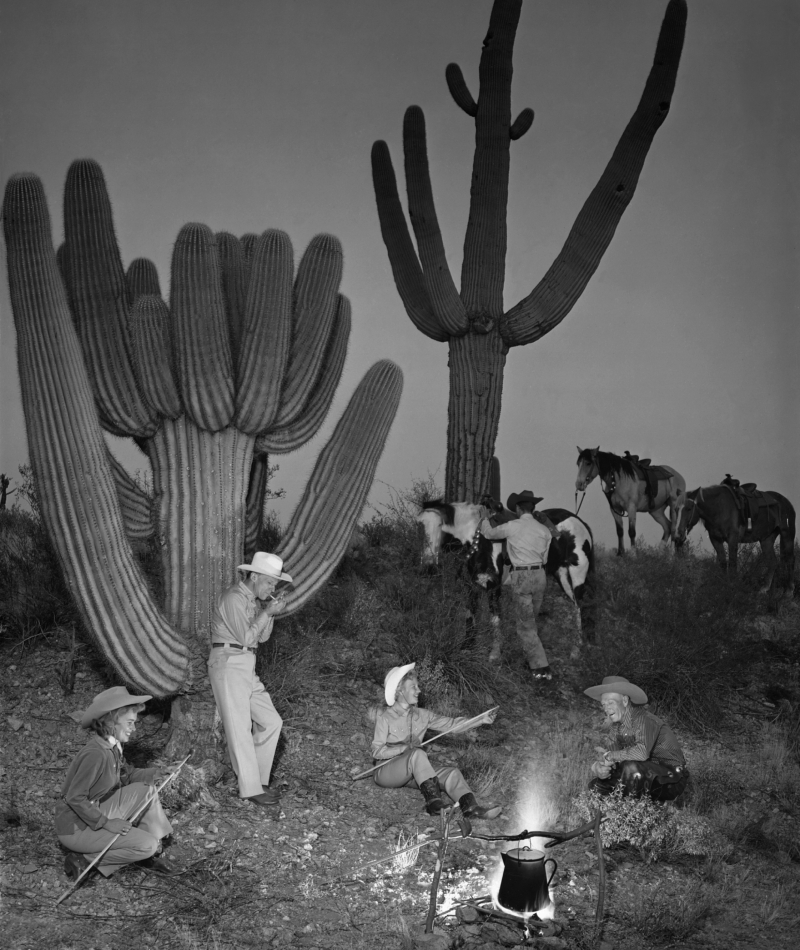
[(244, 361), (472, 321)]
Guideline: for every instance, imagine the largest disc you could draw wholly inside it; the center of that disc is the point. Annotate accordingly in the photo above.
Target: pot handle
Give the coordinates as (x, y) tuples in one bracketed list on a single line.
[(555, 868)]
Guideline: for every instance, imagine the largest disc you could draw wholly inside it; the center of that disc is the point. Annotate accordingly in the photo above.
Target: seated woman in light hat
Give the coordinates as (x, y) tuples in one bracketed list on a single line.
[(399, 730), (644, 756), (251, 722), (101, 792)]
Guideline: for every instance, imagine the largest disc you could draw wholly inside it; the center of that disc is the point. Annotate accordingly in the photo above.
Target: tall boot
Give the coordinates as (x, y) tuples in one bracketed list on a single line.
[(471, 809), (432, 791)]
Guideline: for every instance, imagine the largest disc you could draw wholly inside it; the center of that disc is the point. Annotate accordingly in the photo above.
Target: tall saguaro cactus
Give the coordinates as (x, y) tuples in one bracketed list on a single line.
[(472, 321), (244, 361)]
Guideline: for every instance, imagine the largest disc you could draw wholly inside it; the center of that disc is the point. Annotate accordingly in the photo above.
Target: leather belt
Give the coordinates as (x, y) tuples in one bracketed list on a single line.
[(233, 646), (527, 567)]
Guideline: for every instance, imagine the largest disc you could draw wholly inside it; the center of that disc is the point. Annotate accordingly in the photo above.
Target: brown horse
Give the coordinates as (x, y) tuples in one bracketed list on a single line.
[(625, 485), (715, 506)]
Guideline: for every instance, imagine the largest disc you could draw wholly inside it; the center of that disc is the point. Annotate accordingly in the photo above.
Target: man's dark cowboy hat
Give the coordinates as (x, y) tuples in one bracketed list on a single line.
[(514, 499), (618, 684)]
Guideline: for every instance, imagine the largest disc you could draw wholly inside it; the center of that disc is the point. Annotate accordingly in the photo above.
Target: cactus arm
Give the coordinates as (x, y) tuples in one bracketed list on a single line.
[(200, 329), (322, 524), (98, 295), (315, 299), (235, 278), (521, 124), (267, 333), (74, 481), (402, 256), (555, 295), (141, 278), (459, 90), (152, 356), (483, 265), (134, 505), (421, 209), (254, 504), (289, 438)]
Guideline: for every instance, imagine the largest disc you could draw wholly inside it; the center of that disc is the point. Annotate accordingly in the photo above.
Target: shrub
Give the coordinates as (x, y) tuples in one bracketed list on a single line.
[(677, 627)]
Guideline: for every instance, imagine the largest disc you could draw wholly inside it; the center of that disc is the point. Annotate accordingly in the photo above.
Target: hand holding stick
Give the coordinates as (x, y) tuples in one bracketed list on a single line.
[(139, 811)]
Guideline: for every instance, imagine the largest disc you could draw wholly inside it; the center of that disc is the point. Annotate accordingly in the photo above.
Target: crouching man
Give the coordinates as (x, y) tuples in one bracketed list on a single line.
[(644, 757)]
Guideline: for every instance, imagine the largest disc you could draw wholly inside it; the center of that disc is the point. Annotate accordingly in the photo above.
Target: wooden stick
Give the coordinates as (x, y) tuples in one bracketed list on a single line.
[(462, 727), (437, 871), (139, 811), (601, 884)]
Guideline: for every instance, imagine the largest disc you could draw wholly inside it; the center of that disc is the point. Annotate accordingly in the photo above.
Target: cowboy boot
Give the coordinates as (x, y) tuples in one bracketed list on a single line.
[(471, 809), (432, 791)]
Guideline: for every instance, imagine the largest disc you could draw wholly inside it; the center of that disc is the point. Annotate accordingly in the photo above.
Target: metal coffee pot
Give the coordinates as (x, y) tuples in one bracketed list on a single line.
[(525, 887)]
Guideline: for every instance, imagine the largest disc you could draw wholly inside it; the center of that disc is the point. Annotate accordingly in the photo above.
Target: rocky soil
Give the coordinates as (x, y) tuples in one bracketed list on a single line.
[(304, 881)]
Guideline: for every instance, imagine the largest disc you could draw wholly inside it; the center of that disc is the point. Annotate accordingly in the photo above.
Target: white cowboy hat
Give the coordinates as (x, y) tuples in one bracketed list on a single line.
[(617, 684), (392, 681), (269, 564), (108, 701)]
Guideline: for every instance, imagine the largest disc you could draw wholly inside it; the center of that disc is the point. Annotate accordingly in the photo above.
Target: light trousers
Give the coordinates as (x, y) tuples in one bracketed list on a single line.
[(141, 842), (413, 767), (252, 724), (527, 592)]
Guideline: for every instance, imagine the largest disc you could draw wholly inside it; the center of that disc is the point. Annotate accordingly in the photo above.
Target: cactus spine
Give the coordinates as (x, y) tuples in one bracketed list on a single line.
[(472, 320), (243, 361)]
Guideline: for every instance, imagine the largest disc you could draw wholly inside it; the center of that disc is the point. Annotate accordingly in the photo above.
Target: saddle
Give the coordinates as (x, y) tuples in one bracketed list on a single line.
[(650, 474), (748, 499)]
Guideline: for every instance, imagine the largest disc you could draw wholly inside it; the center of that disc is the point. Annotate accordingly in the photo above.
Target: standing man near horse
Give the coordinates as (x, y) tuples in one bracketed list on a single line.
[(252, 724), (527, 543), (645, 757)]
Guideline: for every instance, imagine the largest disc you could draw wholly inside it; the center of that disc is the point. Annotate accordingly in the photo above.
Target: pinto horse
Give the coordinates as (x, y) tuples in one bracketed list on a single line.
[(625, 486), (715, 506), (570, 557)]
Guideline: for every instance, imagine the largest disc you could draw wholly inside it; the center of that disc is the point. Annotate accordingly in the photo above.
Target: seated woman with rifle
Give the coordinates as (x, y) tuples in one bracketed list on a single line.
[(399, 732), (102, 792)]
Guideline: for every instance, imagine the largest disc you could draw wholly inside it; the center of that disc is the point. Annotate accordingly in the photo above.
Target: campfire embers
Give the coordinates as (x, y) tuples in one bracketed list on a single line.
[(482, 919)]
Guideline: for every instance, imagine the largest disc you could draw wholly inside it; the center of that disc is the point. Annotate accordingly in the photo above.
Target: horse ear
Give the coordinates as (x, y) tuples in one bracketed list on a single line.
[(580, 450)]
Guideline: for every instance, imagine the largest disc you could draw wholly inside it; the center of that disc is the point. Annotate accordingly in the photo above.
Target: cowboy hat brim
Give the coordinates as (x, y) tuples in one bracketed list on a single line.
[(513, 498), (622, 686), (108, 701), (255, 570), (392, 681)]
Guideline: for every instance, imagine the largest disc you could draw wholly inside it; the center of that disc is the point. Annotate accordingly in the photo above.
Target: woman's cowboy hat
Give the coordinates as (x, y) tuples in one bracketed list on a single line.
[(269, 564), (108, 701), (514, 499), (392, 681), (617, 684)]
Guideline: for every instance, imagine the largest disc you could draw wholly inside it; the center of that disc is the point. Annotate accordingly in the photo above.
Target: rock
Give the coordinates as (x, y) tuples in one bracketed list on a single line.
[(16, 724), (434, 941), (502, 934), (468, 915)]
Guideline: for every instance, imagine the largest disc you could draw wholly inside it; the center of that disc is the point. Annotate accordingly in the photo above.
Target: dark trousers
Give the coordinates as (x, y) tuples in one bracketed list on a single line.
[(663, 783)]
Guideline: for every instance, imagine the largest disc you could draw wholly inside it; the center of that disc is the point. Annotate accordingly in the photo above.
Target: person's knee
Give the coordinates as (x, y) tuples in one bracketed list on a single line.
[(418, 759), (630, 771)]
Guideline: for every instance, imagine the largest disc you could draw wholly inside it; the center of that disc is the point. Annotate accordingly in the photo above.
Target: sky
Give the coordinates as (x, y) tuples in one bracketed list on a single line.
[(255, 114)]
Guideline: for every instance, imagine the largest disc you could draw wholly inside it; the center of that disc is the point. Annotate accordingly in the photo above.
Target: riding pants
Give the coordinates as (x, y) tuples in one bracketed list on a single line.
[(252, 724), (661, 782), (141, 842), (527, 592), (413, 767)]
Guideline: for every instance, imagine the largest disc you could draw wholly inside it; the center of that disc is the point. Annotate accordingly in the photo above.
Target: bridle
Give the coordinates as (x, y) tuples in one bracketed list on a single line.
[(589, 480), (696, 503)]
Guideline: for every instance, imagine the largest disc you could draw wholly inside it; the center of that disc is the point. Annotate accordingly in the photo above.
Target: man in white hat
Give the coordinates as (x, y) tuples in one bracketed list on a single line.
[(645, 756), (252, 724)]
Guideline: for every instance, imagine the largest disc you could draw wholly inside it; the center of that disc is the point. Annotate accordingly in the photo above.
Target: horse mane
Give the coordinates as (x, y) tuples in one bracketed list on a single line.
[(608, 462), (447, 511)]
